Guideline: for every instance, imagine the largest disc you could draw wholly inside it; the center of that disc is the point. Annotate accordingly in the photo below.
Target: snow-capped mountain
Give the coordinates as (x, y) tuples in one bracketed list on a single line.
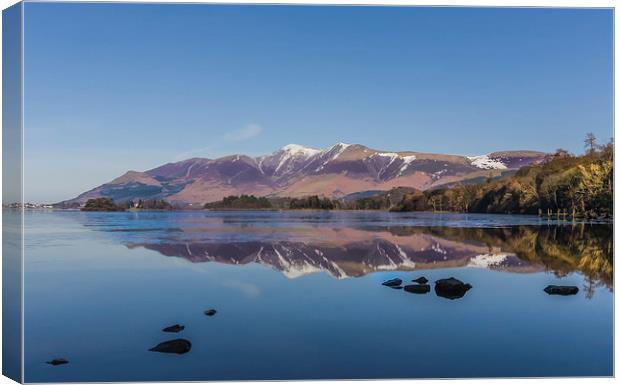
[(287, 160), (295, 170)]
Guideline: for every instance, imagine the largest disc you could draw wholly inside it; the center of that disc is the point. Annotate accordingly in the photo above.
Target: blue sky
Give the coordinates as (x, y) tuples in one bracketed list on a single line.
[(113, 87)]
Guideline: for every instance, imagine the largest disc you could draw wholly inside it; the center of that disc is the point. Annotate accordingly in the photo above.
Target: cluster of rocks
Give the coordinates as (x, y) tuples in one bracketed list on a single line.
[(421, 286), (453, 288), (179, 345), (450, 288), (176, 346)]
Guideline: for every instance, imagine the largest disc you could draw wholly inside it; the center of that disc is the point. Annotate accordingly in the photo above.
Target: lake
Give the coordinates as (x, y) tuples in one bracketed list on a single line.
[(299, 295)]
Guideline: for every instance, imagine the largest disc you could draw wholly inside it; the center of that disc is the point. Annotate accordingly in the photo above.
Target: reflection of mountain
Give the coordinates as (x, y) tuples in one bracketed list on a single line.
[(348, 252), (295, 259)]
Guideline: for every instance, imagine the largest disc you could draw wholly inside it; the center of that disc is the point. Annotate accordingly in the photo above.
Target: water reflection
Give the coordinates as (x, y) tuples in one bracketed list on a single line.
[(210, 272), (351, 252)]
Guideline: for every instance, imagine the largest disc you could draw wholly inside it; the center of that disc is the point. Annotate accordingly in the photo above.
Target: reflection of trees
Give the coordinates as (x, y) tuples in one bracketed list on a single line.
[(587, 249)]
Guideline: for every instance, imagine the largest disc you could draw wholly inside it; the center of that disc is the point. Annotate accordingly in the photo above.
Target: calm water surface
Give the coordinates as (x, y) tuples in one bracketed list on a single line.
[(299, 296)]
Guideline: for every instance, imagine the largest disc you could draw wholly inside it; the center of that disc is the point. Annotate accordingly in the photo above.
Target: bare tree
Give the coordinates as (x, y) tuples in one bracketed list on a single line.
[(590, 143)]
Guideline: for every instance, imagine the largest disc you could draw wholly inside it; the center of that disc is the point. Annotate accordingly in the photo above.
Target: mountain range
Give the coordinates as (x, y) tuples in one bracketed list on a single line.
[(296, 171)]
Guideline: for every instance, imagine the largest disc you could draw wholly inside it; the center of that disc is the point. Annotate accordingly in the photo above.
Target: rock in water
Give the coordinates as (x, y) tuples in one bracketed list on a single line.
[(210, 312), (421, 280), (561, 290), (393, 282), (58, 361), (179, 346), (451, 288), (418, 289), (173, 329)]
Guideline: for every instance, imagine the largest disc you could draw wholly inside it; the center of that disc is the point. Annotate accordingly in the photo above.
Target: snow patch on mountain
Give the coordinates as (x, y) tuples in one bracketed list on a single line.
[(336, 150), (391, 155), (297, 150), (406, 262), (406, 162), (437, 175), (340, 273), (486, 163), (340, 148), (294, 152), (259, 163), (487, 260), (296, 271)]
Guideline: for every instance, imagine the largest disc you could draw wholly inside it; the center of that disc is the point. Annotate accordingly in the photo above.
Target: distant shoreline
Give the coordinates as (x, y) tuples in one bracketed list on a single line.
[(607, 221)]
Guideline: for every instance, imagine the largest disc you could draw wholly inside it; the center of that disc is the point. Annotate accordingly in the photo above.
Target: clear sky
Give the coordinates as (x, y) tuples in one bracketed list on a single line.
[(114, 87)]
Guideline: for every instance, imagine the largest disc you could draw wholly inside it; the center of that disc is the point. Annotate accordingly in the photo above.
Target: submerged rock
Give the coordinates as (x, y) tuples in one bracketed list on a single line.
[(451, 288), (421, 280), (396, 287), (393, 282), (210, 312), (178, 346), (561, 290), (57, 361), (418, 289), (173, 329)]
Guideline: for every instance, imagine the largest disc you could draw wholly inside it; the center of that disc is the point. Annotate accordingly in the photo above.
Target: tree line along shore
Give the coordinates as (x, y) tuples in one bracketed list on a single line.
[(563, 186)]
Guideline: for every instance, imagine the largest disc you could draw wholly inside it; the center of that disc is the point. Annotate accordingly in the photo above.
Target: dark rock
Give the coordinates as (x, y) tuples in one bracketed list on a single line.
[(173, 329), (396, 287), (58, 361), (421, 280), (393, 282), (451, 288), (418, 289), (179, 346), (210, 312), (561, 290)]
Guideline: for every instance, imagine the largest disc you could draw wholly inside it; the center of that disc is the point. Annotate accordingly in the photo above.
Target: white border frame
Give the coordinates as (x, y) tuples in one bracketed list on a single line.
[(449, 3)]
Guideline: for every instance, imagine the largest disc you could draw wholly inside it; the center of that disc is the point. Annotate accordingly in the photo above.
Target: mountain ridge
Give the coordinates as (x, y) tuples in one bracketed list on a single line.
[(295, 170)]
